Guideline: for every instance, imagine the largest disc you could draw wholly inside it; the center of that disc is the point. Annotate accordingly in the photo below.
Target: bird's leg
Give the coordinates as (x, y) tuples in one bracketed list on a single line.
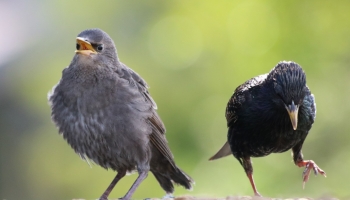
[(142, 175), (248, 168), (119, 176), (308, 164)]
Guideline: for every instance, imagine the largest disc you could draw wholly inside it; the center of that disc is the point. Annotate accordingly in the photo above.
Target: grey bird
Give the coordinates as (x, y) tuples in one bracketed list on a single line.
[(104, 111)]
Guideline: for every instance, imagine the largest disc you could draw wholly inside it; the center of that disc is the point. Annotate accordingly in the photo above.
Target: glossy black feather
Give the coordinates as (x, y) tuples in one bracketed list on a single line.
[(258, 118)]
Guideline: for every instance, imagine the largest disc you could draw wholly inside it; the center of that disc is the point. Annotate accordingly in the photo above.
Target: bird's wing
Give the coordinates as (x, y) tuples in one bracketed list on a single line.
[(141, 84), (313, 103), (157, 137), (235, 103), (239, 96)]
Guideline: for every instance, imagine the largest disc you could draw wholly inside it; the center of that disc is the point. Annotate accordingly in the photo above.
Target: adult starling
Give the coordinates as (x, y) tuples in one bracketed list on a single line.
[(104, 111), (270, 113)]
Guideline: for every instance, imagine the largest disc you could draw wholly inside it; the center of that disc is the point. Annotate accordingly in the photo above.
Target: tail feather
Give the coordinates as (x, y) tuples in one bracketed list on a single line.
[(181, 178), (164, 182), (177, 176), (224, 151), (167, 173)]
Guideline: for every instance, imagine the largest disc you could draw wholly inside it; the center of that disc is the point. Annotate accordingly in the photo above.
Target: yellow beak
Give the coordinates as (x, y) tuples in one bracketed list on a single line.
[(293, 114), (85, 47)]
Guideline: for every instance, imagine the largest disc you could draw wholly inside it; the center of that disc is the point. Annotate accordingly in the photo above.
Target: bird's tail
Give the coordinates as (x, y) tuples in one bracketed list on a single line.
[(224, 151), (166, 178)]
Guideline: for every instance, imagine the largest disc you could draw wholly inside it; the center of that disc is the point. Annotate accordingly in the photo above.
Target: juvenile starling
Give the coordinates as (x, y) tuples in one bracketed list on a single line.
[(270, 113), (104, 111)]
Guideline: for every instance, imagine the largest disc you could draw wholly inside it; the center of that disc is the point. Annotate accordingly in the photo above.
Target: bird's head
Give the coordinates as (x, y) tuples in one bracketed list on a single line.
[(95, 45), (289, 82)]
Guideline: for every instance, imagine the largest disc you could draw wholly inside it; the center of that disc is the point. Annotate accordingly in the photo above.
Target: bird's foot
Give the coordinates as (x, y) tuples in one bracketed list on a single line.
[(124, 198), (106, 198), (309, 165), (103, 198), (257, 194), (168, 196)]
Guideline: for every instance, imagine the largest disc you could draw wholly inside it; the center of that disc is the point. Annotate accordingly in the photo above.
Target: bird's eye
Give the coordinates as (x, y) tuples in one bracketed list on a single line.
[(78, 46), (100, 47)]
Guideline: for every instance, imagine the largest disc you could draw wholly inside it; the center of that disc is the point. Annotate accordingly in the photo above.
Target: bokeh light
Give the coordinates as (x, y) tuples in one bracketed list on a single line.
[(175, 42)]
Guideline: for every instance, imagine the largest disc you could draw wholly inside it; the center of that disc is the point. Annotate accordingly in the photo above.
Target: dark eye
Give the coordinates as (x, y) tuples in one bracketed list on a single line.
[(99, 47), (78, 46)]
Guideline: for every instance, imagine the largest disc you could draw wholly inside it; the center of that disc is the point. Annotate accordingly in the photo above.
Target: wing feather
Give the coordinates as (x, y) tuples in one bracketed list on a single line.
[(157, 136), (239, 96)]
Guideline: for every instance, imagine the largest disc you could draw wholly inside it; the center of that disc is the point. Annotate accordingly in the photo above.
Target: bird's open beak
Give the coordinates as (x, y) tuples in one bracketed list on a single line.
[(85, 47), (293, 114)]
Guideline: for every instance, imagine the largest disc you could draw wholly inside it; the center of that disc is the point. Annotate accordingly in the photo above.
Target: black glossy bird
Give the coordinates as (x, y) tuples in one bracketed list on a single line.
[(270, 113), (104, 111)]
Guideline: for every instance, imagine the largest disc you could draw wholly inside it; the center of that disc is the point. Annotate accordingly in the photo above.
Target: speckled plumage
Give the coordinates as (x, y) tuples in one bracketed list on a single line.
[(258, 122), (104, 111)]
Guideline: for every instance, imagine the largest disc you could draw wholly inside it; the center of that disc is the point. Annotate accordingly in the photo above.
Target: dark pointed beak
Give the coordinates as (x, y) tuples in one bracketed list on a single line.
[(292, 110), (85, 47)]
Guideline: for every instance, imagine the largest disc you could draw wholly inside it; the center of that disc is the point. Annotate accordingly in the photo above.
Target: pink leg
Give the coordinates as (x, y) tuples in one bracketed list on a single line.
[(250, 176), (248, 168)]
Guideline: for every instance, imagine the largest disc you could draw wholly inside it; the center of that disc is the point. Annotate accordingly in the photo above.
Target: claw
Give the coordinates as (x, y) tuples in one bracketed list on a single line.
[(309, 165), (315, 171)]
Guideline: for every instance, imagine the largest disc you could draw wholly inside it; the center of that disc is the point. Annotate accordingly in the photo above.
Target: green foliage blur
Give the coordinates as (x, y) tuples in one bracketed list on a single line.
[(193, 54)]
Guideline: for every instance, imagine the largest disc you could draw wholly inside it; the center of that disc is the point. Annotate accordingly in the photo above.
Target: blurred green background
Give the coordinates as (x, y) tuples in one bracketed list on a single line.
[(193, 54)]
